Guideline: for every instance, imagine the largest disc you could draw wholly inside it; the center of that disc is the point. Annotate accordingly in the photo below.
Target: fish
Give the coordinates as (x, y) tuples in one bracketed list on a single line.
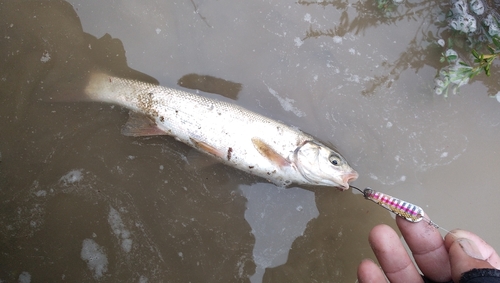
[(232, 134)]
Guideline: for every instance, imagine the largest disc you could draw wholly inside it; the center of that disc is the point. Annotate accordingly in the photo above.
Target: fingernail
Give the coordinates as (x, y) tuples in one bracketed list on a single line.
[(470, 248)]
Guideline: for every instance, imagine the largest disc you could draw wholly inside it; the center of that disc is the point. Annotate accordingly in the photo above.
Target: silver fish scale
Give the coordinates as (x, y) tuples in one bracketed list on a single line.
[(227, 128), (236, 136)]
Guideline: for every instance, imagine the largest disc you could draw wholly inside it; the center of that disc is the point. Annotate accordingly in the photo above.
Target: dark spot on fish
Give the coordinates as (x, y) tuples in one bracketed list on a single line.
[(274, 171), (176, 111), (219, 113), (229, 152), (162, 118), (110, 80), (268, 173), (251, 167)]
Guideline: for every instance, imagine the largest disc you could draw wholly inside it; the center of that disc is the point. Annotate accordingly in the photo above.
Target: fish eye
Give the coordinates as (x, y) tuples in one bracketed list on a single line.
[(334, 159)]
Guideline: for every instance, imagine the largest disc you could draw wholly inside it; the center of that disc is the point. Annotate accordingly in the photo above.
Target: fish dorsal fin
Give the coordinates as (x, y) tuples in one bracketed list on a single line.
[(268, 152), (211, 84), (139, 125)]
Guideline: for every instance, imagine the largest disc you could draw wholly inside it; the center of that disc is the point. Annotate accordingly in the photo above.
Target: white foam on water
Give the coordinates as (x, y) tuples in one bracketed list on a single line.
[(24, 277), (286, 103), (45, 57), (73, 176), (307, 18), (298, 42), (119, 229), (95, 257)]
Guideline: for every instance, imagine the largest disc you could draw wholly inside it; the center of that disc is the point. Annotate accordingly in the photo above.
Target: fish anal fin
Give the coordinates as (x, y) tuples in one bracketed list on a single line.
[(205, 147), (268, 152), (139, 125)]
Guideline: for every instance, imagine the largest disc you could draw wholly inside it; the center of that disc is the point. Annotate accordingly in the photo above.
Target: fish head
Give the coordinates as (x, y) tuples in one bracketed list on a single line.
[(323, 166)]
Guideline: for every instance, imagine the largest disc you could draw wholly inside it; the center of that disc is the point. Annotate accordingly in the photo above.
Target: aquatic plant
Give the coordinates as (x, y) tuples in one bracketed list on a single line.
[(480, 41)]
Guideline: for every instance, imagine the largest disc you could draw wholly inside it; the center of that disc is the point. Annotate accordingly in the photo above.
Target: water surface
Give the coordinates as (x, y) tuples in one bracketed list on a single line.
[(81, 202)]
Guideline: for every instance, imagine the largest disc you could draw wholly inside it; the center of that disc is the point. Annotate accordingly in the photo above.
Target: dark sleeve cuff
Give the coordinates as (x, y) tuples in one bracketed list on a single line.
[(483, 275)]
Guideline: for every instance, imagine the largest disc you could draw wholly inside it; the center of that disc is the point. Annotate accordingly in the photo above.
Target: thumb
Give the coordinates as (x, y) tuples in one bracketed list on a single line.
[(464, 256)]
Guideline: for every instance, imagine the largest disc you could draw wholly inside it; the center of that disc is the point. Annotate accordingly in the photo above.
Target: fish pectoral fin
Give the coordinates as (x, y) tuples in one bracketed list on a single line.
[(141, 125), (205, 147), (268, 152)]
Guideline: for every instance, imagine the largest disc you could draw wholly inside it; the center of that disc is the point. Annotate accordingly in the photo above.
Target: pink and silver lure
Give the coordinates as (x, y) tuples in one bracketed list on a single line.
[(408, 211)]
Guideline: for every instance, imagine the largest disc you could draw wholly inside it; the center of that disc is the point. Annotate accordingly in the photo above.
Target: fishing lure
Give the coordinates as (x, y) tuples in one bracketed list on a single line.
[(408, 211)]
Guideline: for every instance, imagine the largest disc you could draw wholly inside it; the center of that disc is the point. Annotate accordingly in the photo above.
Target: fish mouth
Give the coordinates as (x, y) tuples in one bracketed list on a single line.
[(348, 178)]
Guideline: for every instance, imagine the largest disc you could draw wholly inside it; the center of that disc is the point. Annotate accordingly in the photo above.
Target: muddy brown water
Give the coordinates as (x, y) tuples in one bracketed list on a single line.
[(82, 203)]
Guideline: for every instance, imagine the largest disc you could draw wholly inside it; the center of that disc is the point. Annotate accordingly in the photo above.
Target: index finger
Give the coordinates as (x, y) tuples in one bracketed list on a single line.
[(427, 246)]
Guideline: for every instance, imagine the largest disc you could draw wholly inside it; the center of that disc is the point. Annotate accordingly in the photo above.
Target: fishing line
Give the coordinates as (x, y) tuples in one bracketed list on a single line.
[(411, 212)]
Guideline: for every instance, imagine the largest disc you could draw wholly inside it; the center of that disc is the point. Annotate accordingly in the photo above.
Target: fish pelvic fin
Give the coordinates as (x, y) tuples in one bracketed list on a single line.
[(139, 125), (268, 152), (205, 147)]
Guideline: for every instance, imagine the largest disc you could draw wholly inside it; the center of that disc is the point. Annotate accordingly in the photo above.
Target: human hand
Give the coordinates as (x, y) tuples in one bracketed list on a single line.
[(439, 260)]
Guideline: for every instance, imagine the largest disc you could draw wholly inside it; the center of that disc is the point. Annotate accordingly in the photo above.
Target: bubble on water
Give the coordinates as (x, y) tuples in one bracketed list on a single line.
[(95, 257), (444, 154), (441, 42), (337, 39)]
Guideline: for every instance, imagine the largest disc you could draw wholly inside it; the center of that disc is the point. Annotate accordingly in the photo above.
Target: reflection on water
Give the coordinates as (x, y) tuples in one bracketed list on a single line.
[(277, 218), (81, 202)]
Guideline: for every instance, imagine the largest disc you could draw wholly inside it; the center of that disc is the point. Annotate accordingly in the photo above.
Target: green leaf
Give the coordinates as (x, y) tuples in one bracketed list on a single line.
[(496, 41), (451, 58), (475, 54)]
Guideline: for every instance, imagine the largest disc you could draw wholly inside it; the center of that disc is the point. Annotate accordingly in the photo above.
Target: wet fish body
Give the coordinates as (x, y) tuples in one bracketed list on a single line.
[(235, 136)]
